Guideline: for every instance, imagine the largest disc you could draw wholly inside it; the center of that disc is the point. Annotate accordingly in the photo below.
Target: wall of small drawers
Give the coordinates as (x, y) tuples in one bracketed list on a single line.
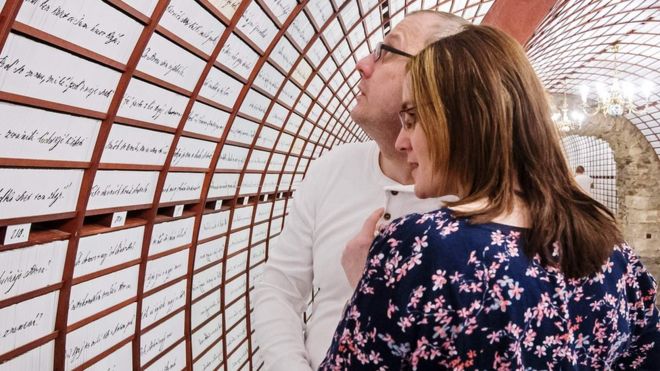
[(148, 152)]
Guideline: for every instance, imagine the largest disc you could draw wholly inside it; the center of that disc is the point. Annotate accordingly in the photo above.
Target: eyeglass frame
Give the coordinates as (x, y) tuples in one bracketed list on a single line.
[(407, 111), (378, 51)]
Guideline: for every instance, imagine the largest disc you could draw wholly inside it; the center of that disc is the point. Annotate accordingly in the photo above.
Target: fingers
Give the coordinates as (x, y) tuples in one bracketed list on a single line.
[(369, 226)]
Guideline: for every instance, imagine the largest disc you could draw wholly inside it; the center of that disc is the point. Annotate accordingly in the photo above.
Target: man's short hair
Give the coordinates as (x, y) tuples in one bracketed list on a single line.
[(448, 24), (579, 169)]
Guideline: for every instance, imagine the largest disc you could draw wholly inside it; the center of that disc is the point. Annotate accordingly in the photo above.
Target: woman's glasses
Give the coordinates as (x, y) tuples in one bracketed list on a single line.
[(408, 118)]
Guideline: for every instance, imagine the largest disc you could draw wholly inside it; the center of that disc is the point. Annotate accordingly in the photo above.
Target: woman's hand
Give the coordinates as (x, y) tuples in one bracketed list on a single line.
[(354, 257)]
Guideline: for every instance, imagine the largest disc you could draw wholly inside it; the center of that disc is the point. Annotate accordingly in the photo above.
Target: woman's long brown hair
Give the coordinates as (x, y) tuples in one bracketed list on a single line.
[(485, 115)]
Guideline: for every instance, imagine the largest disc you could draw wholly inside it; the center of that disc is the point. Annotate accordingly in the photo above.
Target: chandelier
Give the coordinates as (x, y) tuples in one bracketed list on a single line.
[(618, 98), (563, 120)]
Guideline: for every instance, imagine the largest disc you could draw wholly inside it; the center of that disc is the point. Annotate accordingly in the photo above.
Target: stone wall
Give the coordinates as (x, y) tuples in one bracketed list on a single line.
[(638, 186)]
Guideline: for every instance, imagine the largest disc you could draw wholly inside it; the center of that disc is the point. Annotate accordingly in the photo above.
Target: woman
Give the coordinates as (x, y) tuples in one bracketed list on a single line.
[(525, 271)]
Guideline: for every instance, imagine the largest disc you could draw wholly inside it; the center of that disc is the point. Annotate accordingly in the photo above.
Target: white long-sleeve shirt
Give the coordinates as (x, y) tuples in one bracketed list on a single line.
[(329, 207)]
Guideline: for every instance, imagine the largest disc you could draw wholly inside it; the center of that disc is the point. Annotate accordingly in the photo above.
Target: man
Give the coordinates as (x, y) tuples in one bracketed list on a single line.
[(329, 207), (584, 180)]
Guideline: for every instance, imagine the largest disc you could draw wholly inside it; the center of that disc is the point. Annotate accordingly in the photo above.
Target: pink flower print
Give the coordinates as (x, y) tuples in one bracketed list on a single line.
[(595, 305), (439, 279), (494, 337), (354, 313), (420, 243), (391, 308), (449, 229), (375, 357), (532, 271), (540, 351), (473, 258), (501, 257), (530, 335), (417, 294), (393, 243), (515, 291), (513, 329), (406, 322), (455, 277), (464, 312), (581, 341), (512, 250), (497, 238)]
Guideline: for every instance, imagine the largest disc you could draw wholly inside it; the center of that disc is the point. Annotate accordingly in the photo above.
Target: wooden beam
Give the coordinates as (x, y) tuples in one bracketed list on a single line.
[(518, 18)]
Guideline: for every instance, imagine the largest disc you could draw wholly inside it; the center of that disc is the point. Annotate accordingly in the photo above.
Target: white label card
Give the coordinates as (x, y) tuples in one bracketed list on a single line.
[(210, 360), (235, 312), (32, 133), (206, 120), (131, 145), (17, 233), (205, 336), (206, 308), (256, 25), (121, 359), (27, 321), (193, 153), (232, 158), (226, 7), (31, 268), (284, 54), (182, 187), (165, 269), (238, 240), (150, 103), (92, 339), (170, 235), (221, 88), (162, 303), (206, 280), (209, 252), (269, 79), (281, 8), (238, 56), (255, 105), (175, 359), (213, 224), (223, 185), (171, 63), (96, 26), (40, 358), (242, 131), (96, 295), (188, 20), (160, 338), (31, 192), (106, 250), (26, 68), (114, 188)]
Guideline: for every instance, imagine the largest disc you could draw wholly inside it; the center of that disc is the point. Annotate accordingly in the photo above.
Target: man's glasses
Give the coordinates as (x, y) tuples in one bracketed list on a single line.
[(408, 118), (378, 51)]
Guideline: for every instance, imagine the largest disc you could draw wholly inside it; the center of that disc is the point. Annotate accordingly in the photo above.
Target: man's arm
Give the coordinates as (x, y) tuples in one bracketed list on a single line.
[(281, 297)]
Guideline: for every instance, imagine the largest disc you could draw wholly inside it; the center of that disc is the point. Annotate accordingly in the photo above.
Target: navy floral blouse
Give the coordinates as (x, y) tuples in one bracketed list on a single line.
[(441, 293)]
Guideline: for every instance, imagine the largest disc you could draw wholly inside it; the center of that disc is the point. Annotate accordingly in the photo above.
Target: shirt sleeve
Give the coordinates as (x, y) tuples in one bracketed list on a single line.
[(644, 351), (281, 296)]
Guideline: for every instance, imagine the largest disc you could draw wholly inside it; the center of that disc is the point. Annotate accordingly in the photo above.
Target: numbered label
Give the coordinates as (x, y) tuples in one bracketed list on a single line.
[(17, 233), (178, 211), (118, 219)]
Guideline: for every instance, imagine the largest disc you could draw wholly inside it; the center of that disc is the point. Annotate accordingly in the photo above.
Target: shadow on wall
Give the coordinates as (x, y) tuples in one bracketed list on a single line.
[(637, 184)]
